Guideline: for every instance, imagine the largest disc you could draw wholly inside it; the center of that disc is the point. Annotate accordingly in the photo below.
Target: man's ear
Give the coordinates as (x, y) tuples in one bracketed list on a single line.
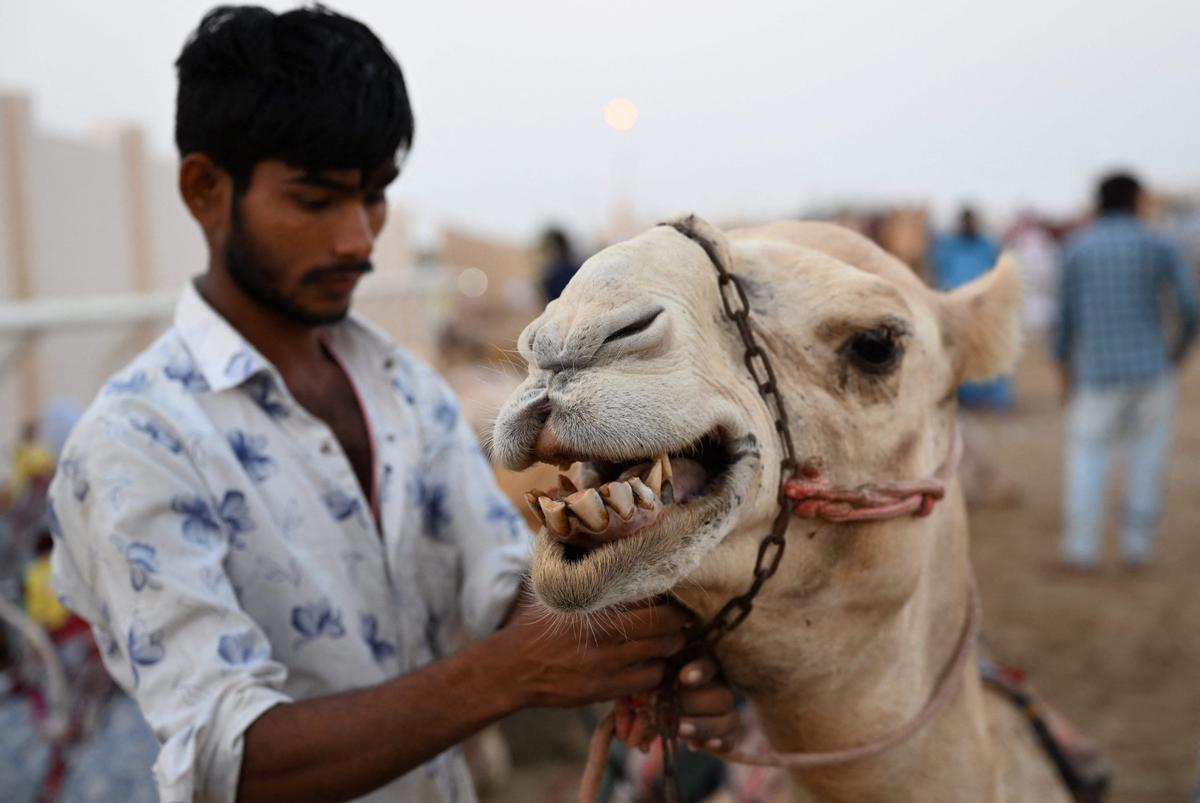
[(207, 190), (981, 322)]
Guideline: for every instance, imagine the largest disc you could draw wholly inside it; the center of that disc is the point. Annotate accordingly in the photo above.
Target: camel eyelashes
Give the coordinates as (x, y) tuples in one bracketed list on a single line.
[(876, 351)]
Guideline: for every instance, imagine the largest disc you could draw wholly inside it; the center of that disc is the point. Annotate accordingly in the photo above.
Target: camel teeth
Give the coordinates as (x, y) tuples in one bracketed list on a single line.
[(556, 515), (645, 496), (654, 477), (531, 499), (565, 486), (665, 460), (589, 507), (619, 497)]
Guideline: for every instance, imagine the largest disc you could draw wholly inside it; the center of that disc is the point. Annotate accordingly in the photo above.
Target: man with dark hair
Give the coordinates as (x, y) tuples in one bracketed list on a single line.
[(1118, 359), (276, 520)]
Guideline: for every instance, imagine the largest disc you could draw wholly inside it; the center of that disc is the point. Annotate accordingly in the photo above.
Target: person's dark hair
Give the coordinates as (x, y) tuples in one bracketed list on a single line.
[(557, 241), (968, 221), (1118, 192), (309, 87)]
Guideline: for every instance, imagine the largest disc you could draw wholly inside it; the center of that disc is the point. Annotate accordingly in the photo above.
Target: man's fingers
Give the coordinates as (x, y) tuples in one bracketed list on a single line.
[(635, 652), (635, 680), (702, 730), (698, 672), (709, 701)]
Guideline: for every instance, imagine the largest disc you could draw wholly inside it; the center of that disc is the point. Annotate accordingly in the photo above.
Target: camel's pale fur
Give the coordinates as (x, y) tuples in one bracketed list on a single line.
[(846, 641)]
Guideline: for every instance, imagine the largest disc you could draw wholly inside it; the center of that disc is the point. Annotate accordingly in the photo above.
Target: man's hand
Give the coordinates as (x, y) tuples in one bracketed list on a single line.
[(708, 716), (564, 663)]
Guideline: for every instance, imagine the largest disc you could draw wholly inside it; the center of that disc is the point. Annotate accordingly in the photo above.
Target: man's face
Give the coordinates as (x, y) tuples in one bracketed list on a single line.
[(300, 240)]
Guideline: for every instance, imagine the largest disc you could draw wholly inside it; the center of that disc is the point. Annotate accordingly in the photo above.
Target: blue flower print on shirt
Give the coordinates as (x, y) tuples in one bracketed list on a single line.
[(199, 525), (238, 649), (500, 512), (401, 386), (157, 434), (235, 514), (143, 565), (317, 619), (446, 415), (433, 634), (186, 374), (261, 389), (134, 383), (369, 628), (431, 498), (145, 649), (72, 469), (342, 505), (240, 365), (250, 452)]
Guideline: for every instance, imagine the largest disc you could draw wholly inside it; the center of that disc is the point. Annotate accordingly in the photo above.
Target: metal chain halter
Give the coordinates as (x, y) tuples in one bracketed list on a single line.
[(770, 550)]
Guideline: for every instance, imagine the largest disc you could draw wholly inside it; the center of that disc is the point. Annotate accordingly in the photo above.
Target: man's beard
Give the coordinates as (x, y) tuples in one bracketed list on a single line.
[(259, 278)]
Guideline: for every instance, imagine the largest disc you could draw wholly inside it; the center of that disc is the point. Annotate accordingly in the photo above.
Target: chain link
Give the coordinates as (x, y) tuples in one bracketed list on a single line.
[(770, 549)]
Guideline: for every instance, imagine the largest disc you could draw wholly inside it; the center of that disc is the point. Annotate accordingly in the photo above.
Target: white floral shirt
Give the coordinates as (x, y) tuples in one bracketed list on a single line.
[(214, 534)]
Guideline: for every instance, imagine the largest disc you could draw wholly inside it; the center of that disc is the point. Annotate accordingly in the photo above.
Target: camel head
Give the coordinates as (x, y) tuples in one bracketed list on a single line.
[(637, 388)]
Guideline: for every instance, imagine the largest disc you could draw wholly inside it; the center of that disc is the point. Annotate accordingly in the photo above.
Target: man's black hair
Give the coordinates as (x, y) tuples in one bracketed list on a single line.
[(309, 87), (1119, 192)]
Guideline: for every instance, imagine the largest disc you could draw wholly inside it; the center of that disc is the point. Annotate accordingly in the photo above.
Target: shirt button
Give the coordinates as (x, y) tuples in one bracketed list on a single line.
[(326, 447), (389, 364)]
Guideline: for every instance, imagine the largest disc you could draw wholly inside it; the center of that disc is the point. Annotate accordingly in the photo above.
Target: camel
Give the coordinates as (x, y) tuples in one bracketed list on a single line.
[(636, 381)]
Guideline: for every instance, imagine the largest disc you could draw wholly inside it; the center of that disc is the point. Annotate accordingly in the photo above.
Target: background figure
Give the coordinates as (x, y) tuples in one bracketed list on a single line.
[(957, 259), (1032, 241), (559, 262), (1118, 360)]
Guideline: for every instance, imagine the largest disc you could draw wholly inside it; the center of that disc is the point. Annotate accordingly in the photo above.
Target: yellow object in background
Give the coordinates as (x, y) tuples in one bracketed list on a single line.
[(30, 460), (40, 603)]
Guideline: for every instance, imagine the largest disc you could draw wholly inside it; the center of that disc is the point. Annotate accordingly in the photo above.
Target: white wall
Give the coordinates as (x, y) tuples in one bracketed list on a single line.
[(80, 225)]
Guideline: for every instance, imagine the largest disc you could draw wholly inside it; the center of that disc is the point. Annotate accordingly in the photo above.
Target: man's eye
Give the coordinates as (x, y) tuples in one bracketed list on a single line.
[(873, 352), (313, 204)]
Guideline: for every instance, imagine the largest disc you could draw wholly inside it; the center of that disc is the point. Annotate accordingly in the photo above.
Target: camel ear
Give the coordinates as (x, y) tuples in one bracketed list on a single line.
[(706, 235), (982, 323)]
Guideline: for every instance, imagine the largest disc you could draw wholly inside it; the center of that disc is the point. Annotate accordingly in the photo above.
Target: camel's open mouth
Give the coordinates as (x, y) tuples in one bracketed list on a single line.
[(600, 501)]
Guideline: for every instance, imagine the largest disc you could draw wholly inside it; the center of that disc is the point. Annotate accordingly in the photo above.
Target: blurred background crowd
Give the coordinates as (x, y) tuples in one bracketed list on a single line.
[(945, 137)]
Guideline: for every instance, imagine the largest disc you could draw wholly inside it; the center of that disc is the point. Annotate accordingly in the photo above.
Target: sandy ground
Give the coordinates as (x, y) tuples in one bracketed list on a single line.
[(1119, 654)]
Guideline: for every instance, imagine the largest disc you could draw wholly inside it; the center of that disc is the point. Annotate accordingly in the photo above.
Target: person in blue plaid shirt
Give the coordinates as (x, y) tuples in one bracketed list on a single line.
[(1127, 317)]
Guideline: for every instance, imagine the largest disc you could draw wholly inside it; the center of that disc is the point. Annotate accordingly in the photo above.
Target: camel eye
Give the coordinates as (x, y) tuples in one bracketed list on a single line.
[(873, 352)]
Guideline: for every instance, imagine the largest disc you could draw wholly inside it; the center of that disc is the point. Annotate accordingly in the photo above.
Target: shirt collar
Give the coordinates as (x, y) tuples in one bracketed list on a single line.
[(226, 359), (222, 355)]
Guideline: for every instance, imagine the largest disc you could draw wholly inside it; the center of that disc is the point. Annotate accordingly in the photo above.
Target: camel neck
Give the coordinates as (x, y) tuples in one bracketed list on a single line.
[(866, 662)]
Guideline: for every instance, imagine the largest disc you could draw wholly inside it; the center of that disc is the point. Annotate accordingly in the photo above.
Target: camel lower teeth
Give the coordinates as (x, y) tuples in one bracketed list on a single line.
[(555, 515), (619, 497), (645, 497), (589, 508)]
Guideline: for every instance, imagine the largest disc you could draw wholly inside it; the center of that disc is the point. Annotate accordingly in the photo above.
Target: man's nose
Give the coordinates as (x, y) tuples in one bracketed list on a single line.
[(355, 237)]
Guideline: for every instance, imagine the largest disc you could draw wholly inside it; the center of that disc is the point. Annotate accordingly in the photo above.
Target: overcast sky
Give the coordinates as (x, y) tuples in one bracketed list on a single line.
[(752, 108)]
